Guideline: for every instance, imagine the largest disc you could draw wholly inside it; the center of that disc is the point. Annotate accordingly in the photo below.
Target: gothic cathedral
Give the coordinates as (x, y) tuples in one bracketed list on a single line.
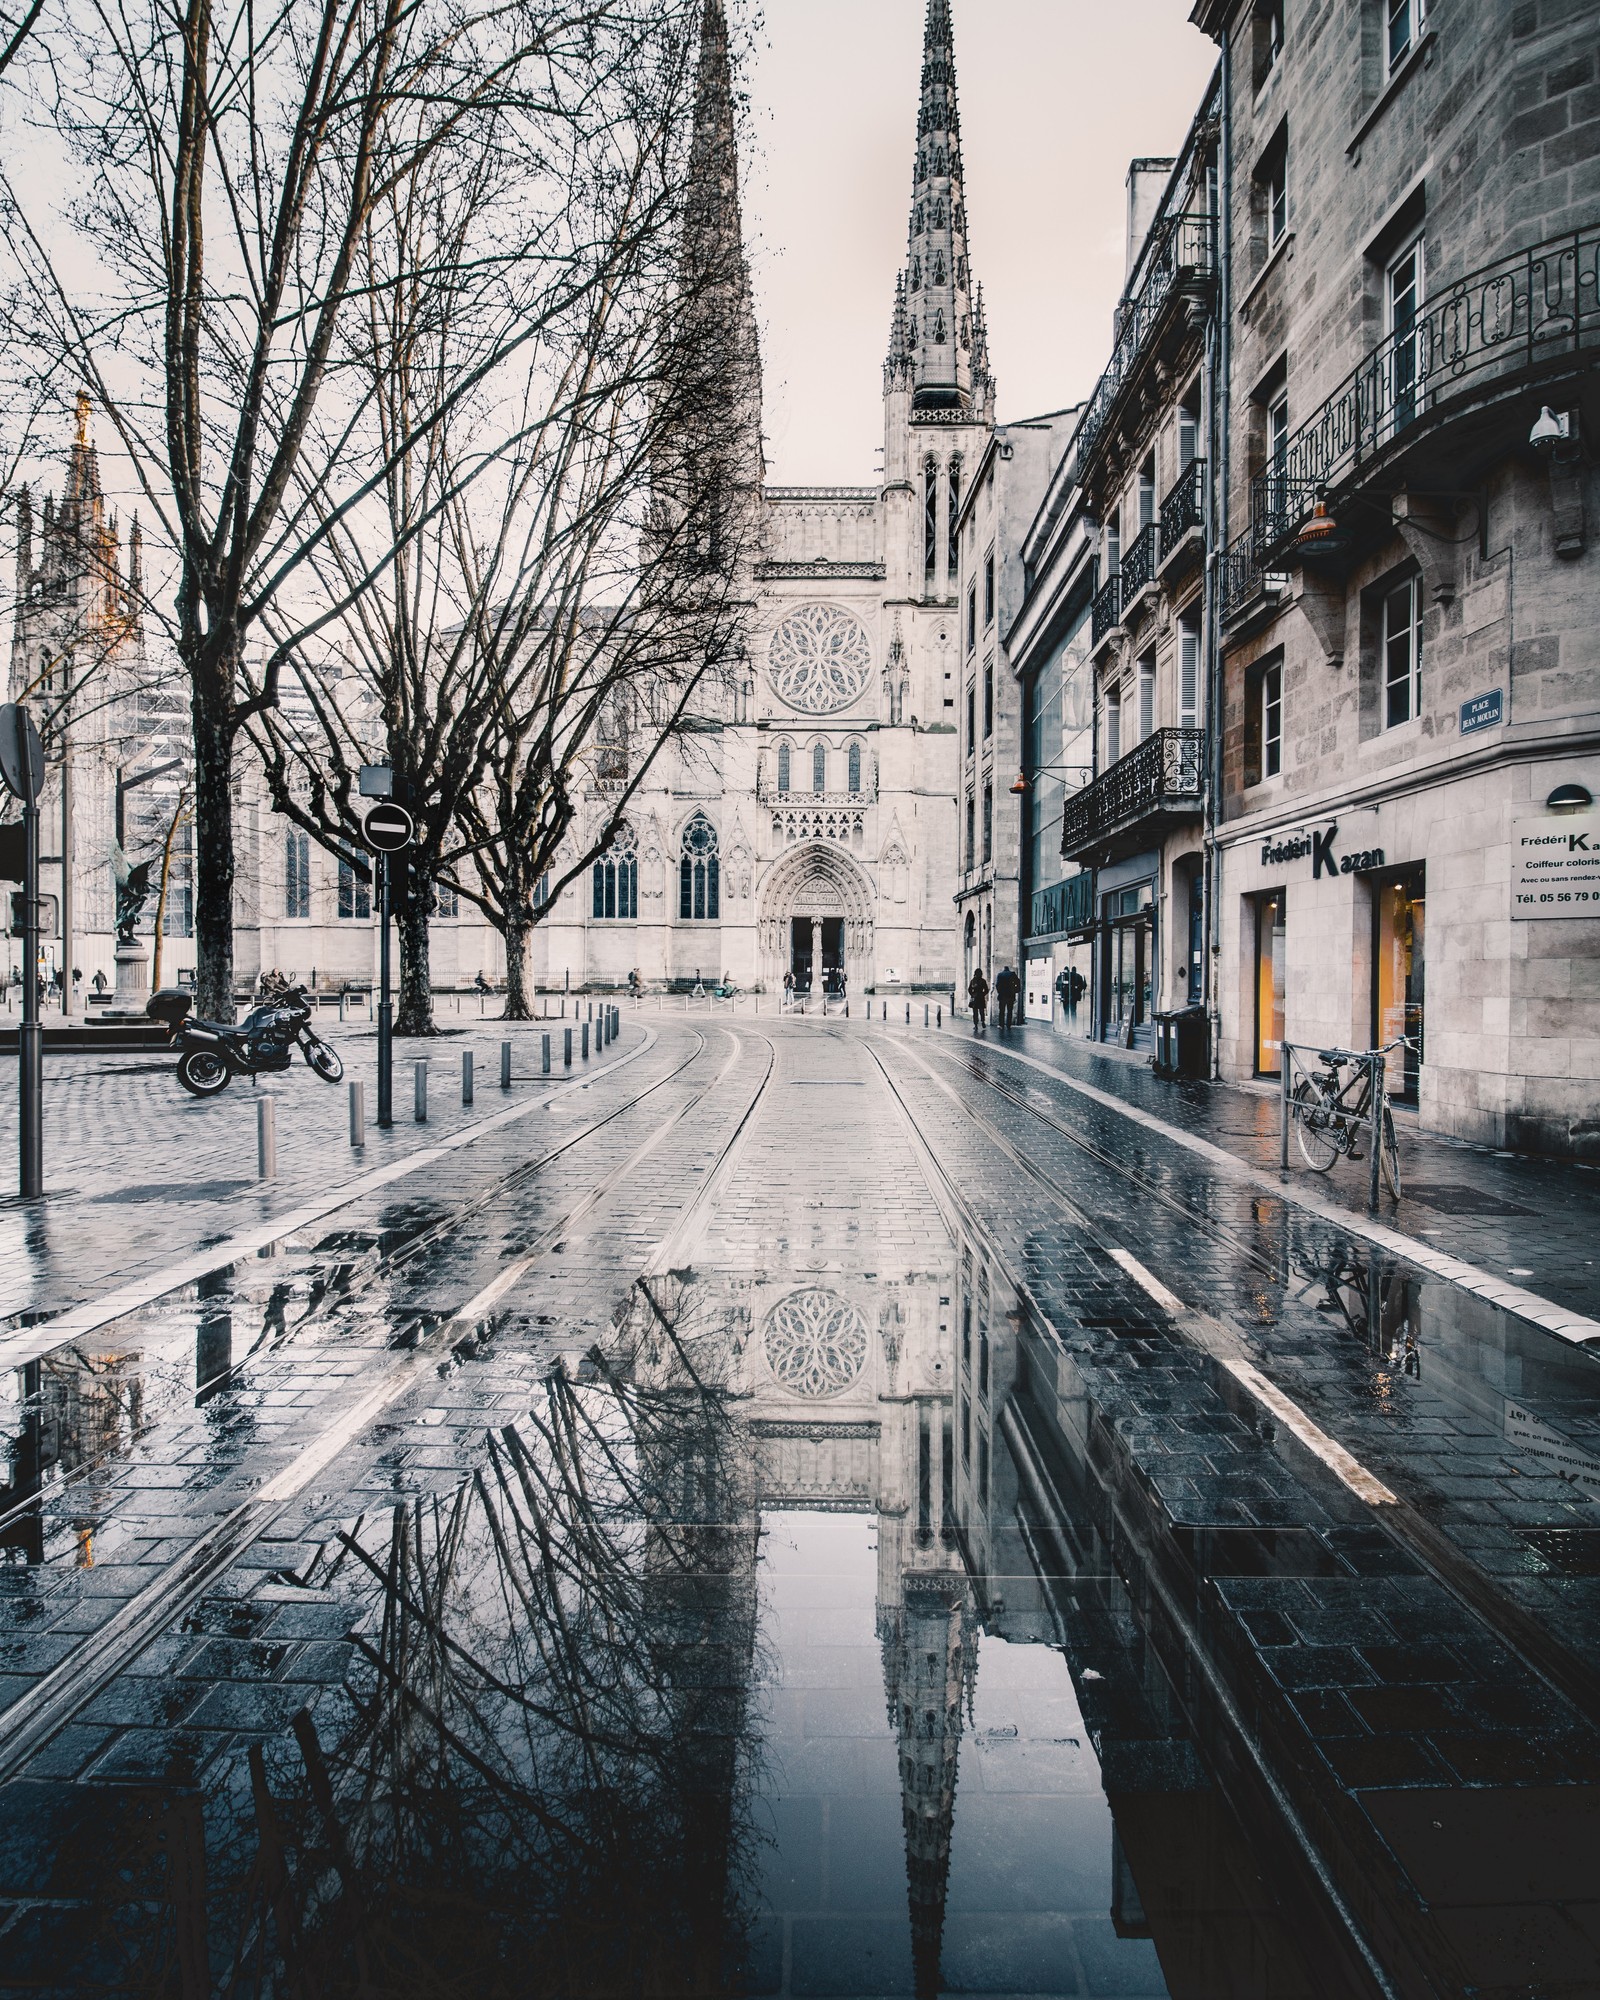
[(813, 833)]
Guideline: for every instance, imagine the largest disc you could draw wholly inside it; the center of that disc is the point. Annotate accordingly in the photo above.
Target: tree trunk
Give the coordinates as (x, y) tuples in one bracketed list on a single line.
[(411, 905), (214, 730), (519, 935)]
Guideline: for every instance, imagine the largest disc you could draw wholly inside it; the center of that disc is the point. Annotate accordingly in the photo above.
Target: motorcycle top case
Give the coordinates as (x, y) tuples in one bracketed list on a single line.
[(169, 1004)]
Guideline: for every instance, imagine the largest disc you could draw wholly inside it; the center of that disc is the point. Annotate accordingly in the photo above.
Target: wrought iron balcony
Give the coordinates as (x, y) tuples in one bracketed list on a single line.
[(1184, 508), (1106, 611), (1523, 312), (1182, 256), (1244, 577), (1139, 564), (1164, 776)]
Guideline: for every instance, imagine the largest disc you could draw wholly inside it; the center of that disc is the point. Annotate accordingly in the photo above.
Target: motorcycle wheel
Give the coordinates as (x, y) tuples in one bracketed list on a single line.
[(325, 1061), (203, 1072)]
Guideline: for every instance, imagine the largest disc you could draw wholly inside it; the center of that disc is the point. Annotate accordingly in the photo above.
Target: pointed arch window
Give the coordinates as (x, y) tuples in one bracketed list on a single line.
[(819, 767), (785, 766), (855, 767), (699, 879), (938, 329), (952, 547), (916, 274), (297, 874), (930, 515), (616, 878)]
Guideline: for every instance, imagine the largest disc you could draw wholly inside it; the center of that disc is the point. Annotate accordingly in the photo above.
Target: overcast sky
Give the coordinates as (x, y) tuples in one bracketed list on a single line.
[(1056, 97)]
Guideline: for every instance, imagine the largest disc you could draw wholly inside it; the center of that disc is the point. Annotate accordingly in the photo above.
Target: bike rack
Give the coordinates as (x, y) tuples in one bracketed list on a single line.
[(1376, 1061)]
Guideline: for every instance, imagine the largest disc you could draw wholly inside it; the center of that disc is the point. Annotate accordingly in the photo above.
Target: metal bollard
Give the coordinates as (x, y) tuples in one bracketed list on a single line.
[(586, 1041), (924, 1013), (938, 1016), (847, 1009), (267, 1139), (505, 1065), (466, 1077), (419, 1093), (908, 1013), (566, 1036), (544, 1041), (358, 1114)]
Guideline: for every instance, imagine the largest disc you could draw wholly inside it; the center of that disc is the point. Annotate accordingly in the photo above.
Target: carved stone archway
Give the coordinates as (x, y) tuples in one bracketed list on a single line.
[(816, 880)]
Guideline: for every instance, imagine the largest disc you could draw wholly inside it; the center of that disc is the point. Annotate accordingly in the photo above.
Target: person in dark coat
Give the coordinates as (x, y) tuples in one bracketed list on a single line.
[(1006, 988), (978, 996)]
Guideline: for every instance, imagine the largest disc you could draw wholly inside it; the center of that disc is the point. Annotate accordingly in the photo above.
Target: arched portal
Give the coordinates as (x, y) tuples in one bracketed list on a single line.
[(814, 919)]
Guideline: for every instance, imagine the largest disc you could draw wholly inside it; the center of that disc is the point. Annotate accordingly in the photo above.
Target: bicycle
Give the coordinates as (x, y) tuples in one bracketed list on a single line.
[(1330, 1116)]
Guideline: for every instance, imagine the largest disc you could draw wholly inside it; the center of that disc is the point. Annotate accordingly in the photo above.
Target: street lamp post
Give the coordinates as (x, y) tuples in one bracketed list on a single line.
[(22, 768)]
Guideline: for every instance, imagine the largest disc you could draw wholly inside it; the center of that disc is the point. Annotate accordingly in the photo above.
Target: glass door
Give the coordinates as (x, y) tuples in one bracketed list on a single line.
[(1271, 953), (1399, 903)]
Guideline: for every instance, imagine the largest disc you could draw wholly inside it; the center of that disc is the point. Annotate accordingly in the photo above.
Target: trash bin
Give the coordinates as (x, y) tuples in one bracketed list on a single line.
[(1183, 1043), (1166, 1059)]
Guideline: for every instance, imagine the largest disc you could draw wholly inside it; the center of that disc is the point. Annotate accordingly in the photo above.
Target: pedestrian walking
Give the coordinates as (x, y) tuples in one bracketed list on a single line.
[(1007, 987), (978, 996), (788, 990)]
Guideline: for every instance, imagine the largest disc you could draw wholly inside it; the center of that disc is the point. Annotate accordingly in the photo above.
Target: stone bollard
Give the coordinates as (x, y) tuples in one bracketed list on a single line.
[(566, 1037), (505, 1065), (419, 1093), (544, 1051), (466, 1076), (585, 1033), (267, 1139), (358, 1114)]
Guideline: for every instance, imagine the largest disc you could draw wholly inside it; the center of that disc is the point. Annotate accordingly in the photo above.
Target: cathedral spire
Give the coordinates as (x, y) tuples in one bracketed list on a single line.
[(937, 279), (897, 368)]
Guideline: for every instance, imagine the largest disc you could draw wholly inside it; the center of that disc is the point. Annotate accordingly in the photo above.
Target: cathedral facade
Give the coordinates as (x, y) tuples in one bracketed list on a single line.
[(811, 830)]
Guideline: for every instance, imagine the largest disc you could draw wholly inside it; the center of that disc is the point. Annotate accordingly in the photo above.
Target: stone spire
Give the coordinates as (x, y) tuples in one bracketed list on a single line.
[(938, 281), (897, 369)]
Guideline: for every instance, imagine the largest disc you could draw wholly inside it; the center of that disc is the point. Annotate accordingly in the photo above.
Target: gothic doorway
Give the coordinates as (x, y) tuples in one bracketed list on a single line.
[(809, 939)]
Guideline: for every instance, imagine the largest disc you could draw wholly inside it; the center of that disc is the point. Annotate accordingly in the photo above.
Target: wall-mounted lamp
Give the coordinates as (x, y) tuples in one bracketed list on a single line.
[(1569, 799), (1321, 535), (1556, 438), (1021, 782), (1549, 430)]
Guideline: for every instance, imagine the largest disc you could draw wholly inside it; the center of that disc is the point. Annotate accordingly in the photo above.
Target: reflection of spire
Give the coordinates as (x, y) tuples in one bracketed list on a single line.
[(929, 1654)]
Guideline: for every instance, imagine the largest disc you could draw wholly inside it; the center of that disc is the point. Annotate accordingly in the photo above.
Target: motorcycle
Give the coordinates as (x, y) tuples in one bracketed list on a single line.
[(211, 1053)]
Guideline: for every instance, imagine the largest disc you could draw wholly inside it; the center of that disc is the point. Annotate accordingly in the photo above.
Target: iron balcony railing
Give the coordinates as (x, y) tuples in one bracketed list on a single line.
[(1511, 315), (1183, 252), (1166, 773), (1243, 574), (1139, 564), (1185, 506), (1106, 609)]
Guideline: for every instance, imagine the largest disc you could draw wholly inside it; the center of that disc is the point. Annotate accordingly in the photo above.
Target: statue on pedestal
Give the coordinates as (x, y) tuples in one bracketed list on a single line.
[(133, 892)]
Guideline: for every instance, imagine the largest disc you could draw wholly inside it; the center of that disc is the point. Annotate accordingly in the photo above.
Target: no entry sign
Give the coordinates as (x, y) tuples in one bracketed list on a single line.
[(389, 827)]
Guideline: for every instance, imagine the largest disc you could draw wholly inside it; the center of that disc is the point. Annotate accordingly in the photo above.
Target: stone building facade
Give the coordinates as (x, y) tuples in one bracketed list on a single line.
[(1407, 632)]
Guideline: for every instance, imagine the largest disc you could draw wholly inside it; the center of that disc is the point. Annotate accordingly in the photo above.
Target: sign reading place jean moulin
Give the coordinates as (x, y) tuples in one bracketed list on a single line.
[(1555, 866)]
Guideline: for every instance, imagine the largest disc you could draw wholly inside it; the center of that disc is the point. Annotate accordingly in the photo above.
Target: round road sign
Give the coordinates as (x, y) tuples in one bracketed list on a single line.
[(389, 827), (21, 753)]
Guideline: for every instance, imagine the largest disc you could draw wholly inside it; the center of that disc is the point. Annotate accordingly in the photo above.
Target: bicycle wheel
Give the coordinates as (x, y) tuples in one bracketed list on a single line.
[(1314, 1127), (1389, 1157)]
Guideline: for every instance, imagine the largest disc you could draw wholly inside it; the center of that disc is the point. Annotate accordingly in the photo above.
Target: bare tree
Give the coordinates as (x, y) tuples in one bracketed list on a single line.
[(230, 165)]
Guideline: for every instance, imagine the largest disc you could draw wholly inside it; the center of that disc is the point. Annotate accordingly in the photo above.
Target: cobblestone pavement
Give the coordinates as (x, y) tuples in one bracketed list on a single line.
[(811, 1509)]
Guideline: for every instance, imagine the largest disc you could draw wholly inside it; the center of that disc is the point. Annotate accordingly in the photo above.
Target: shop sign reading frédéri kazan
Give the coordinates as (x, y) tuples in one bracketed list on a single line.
[(1296, 846)]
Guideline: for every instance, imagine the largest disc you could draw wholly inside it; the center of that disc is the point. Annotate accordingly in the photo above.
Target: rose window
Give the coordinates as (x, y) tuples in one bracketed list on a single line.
[(816, 1343), (819, 659)]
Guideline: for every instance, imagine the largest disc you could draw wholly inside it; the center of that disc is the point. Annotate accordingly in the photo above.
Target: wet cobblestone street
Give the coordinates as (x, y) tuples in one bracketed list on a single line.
[(802, 1507)]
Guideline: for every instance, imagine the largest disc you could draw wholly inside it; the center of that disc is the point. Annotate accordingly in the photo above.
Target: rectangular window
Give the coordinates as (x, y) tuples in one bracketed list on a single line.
[(972, 828), (297, 874), (1272, 720), (972, 618), (1402, 652), (1189, 670), (1147, 696), (1266, 39), (1272, 937), (1189, 428), (1113, 548), (1403, 302), (1147, 491), (355, 895), (1272, 191), (988, 822), (1407, 19), (1113, 723), (988, 588), (988, 698), (1278, 497), (972, 720)]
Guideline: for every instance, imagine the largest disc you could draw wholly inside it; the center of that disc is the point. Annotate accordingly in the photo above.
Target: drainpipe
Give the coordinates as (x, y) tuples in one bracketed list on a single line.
[(1219, 358)]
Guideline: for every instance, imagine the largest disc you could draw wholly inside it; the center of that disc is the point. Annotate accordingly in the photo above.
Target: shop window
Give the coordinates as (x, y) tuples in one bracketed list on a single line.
[(1399, 899), (616, 879), (1189, 670), (1402, 652), (853, 762), (1263, 719), (699, 884), (785, 767), (355, 890), (1128, 942), (297, 874), (1271, 953)]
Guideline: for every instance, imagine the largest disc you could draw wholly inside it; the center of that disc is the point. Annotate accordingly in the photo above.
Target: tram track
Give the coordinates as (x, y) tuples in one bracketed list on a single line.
[(61, 1693)]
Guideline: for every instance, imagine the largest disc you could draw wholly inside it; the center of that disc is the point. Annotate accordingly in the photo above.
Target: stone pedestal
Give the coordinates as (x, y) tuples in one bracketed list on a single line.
[(132, 989)]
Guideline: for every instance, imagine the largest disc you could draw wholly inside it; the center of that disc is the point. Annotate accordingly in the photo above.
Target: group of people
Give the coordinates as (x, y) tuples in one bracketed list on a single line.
[(1007, 998)]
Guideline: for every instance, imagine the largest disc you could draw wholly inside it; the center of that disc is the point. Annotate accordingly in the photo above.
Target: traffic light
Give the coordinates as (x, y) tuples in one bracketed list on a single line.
[(12, 841), (49, 914)]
